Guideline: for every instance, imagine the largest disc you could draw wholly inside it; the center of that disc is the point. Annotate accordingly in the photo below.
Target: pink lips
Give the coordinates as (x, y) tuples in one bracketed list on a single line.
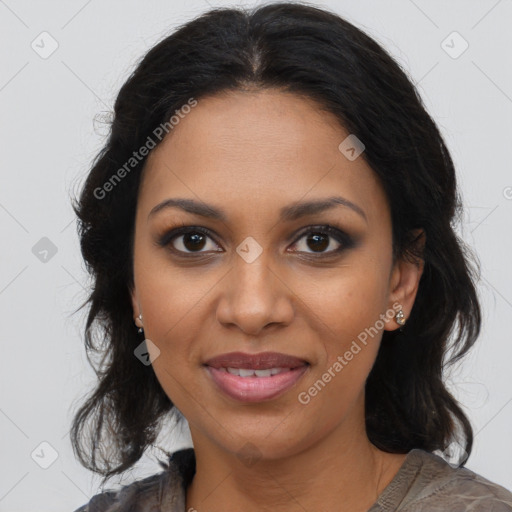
[(276, 373)]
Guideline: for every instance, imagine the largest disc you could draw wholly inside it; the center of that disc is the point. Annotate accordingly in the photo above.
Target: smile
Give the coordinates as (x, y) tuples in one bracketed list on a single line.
[(253, 388), (249, 372)]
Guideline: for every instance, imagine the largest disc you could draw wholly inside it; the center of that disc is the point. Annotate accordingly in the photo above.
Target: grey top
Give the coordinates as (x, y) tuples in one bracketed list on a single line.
[(424, 483)]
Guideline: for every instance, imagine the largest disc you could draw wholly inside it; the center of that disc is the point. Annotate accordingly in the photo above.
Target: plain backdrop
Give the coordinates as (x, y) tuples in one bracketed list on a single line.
[(52, 107)]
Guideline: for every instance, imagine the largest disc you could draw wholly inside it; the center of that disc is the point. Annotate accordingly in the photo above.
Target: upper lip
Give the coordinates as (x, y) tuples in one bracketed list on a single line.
[(261, 361)]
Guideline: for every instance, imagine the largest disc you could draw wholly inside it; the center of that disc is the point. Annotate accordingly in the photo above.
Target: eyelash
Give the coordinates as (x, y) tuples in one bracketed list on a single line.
[(345, 241)]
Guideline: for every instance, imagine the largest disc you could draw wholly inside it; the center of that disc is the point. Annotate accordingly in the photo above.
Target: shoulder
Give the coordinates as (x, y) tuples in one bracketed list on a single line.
[(435, 485), (164, 490)]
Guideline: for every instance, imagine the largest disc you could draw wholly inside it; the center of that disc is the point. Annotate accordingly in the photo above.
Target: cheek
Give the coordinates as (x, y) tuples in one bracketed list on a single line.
[(174, 320), (347, 299), (347, 304), (173, 297), (176, 329)]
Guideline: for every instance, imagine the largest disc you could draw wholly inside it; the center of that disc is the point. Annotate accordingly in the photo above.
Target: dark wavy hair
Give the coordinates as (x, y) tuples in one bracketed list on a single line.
[(314, 53)]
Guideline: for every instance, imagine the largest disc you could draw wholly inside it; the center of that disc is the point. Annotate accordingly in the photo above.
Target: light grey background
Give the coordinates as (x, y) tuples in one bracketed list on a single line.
[(48, 139)]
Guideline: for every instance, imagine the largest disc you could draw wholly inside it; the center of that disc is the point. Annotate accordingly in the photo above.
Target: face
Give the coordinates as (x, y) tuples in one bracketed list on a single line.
[(266, 274)]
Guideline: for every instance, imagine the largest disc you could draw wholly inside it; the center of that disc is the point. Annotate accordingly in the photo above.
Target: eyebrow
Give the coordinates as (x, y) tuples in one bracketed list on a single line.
[(288, 213)]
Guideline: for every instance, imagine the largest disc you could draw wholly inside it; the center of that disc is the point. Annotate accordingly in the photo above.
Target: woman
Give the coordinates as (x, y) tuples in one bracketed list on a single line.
[(273, 210)]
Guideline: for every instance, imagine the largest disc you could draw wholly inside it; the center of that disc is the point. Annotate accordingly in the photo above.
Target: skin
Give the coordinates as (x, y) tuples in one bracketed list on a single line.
[(251, 153)]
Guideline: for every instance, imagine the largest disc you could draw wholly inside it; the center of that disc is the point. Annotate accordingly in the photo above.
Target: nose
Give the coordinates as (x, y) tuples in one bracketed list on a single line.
[(255, 297)]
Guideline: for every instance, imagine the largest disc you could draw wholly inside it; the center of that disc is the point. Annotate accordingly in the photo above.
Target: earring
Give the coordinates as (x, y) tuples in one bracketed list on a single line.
[(400, 318), (138, 323)]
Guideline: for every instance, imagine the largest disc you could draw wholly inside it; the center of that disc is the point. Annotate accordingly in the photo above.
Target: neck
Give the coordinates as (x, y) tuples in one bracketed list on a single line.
[(334, 473)]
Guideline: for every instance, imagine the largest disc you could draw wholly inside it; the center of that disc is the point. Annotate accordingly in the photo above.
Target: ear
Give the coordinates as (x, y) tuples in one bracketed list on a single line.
[(404, 281), (135, 302), (136, 308)]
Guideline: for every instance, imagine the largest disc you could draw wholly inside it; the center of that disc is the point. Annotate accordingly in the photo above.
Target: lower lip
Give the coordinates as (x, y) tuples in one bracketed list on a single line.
[(255, 389)]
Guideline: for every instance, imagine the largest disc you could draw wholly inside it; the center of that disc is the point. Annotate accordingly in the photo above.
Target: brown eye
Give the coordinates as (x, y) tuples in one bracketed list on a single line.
[(318, 242), (323, 240), (193, 241), (189, 240)]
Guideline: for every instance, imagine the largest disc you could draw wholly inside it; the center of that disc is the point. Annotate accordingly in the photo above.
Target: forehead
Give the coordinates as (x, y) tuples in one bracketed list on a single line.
[(255, 150)]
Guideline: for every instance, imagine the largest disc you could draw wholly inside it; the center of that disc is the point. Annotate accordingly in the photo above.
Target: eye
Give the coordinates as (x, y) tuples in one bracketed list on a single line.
[(194, 239), (189, 240), (319, 239)]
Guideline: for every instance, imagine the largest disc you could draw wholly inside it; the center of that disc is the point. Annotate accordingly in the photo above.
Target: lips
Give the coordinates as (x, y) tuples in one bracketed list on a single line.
[(255, 377), (261, 361)]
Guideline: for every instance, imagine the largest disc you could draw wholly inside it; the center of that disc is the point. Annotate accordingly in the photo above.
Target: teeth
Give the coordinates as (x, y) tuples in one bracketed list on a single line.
[(245, 372), (263, 373)]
